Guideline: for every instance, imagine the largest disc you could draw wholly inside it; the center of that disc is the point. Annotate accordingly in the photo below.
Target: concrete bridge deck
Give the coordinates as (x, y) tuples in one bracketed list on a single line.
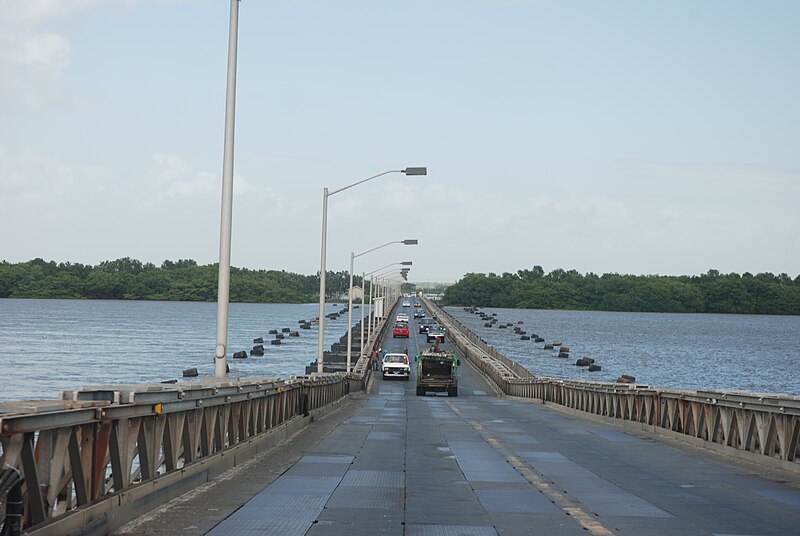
[(394, 463)]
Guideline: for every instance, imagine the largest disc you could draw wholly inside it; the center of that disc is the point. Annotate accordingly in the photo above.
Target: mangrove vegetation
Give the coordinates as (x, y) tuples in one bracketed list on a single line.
[(181, 280), (712, 292), (185, 280)]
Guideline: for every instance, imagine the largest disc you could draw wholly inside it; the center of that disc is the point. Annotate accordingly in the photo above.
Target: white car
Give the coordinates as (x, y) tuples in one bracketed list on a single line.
[(406, 304), (396, 366), (402, 317)]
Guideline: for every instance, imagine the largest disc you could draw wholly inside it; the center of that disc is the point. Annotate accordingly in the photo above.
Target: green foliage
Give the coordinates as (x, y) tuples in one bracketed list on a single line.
[(711, 292), (184, 280), (181, 280)]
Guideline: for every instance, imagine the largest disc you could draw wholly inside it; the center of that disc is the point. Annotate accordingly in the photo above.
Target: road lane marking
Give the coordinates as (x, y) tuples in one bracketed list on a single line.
[(569, 506)]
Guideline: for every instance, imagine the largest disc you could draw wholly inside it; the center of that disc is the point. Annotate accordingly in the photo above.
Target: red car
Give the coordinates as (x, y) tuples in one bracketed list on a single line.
[(400, 330)]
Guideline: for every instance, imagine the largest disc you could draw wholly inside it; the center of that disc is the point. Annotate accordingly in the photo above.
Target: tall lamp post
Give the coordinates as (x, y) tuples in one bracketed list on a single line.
[(224, 281), (407, 242), (390, 289), (363, 306), (381, 291), (371, 300), (322, 257)]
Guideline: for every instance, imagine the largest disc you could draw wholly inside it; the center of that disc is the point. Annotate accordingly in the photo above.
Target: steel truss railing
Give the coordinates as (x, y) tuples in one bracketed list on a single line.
[(100, 443), (766, 426)]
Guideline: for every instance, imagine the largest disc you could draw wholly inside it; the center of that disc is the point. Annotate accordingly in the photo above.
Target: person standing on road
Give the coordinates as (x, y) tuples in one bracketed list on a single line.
[(374, 359)]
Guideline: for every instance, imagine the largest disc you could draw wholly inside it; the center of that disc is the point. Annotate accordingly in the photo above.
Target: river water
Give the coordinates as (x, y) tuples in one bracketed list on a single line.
[(693, 351), (47, 346)]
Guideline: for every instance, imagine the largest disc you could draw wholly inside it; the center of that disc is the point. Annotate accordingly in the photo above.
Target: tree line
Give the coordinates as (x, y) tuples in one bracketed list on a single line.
[(181, 280), (185, 280), (712, 292)]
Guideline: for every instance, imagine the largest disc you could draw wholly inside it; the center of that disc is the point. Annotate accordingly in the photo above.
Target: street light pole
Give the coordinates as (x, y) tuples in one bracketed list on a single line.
[(321, 320), (350, 313), (224, 280), (407, 242), (382, 288), (322, 274), (371, 307), (372, 285), (363, 290)]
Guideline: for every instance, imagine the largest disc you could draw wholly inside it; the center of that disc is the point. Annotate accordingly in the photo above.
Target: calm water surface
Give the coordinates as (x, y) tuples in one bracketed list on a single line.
[(47, 346), (694, 351)]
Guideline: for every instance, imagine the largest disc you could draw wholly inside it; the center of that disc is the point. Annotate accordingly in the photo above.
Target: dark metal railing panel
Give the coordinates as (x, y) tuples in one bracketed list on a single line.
[(97, 443), (766, 425)]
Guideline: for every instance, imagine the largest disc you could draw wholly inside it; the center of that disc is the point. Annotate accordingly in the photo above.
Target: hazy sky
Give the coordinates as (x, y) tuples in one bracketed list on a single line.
[(616, 136)]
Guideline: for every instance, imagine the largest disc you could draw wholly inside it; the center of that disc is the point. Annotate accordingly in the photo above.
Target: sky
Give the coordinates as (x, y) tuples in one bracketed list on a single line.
[(619, 136)]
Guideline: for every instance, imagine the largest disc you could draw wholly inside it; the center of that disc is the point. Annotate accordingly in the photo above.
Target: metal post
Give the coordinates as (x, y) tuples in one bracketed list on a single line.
[(223, 287), (321, 323), (378, 297), (409, 171), (382, 291), (378, 290), (350, 314), (363, 289), (371, 307)]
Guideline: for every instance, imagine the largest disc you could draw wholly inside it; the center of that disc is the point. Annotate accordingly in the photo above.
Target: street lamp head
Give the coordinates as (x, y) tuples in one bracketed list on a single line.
[(410, 242), (407, 263), (416, 171)]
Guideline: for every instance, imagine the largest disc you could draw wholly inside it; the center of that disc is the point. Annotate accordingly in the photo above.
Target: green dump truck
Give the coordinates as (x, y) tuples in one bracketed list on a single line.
[(437, 370)]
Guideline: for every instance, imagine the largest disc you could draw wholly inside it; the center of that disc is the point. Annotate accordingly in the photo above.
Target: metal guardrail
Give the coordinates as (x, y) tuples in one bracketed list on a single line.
[(479, 343), (99, 445), (760, 427)]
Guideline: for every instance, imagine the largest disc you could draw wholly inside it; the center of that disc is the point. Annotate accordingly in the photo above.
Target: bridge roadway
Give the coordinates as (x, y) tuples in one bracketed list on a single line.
[(398, 464)]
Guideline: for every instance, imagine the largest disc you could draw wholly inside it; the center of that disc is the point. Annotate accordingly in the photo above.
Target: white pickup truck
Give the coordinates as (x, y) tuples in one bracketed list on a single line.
[(396, 366)]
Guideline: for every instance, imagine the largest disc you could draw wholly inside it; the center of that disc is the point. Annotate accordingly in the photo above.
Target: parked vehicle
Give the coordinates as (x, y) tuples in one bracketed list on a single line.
[(396, 366), (437, 371), (435, 333), (400, 330)]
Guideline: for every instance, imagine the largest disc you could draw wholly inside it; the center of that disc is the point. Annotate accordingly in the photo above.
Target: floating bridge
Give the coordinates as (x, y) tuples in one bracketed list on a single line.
[(340, 453)]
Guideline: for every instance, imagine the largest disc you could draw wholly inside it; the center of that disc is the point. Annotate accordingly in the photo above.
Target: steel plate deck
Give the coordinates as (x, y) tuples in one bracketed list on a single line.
[(450, 530), (384, 436), (480, 463), (372, 478), (248, 527), (523, 501), (518, 438), (618, 437), (599, 495), (375, 498)]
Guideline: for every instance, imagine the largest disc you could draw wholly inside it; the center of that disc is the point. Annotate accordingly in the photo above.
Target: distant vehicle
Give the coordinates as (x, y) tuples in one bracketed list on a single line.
[(406, 304), (400, 330), (437, 371), (396, 366), (402, 317), (425, 323), (435, 333), (417, 304), (419, 313)]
